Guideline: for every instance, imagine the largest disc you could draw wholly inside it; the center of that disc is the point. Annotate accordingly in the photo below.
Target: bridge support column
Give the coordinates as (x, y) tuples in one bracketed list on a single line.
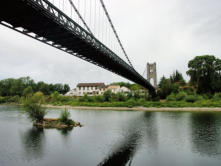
[(152, 73)]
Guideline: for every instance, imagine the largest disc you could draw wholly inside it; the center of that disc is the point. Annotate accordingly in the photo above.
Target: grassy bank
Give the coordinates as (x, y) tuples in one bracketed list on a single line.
[(147, 104), (91, 102)]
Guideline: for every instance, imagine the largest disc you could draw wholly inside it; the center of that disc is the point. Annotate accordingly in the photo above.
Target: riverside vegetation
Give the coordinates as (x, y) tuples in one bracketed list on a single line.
[(36, 113), (203, 90)]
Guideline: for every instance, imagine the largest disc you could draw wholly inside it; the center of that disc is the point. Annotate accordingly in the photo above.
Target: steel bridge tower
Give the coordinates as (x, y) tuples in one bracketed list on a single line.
[(152, 73)]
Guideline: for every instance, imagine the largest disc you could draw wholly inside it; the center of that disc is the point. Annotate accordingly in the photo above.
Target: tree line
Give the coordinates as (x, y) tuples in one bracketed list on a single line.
[(205, 78), (23, 85), (204, 72)]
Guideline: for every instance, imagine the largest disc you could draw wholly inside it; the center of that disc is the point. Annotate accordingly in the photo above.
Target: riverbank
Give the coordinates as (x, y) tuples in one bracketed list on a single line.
[(131, 104), (185, 109), (138, 108)]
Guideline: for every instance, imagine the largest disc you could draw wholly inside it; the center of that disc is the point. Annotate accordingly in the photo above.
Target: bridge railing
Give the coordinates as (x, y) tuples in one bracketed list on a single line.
[(71, 24), (93, 14), (53, 15), (82, 33)]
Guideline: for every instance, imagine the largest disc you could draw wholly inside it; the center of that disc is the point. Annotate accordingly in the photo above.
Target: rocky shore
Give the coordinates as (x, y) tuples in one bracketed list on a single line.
[(55, 123)]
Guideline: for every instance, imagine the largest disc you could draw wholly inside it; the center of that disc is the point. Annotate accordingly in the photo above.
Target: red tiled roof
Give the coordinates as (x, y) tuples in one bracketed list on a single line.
[(101, 85)]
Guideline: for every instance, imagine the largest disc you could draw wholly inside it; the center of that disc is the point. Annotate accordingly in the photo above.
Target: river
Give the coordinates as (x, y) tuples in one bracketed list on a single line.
[(112, 138)]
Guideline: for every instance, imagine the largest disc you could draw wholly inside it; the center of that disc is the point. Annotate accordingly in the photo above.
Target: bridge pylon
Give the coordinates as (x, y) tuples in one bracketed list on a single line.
[(152, 73)]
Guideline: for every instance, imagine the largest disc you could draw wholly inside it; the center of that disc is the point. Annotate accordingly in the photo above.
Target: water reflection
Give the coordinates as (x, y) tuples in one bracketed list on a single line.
[(33, 142), (66, 131), (151, 130), (138, 138), (206, 133), (124, 152), (66, 134)]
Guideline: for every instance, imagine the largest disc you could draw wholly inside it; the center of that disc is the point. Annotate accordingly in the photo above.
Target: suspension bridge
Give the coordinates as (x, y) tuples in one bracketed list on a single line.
[(82, 28)]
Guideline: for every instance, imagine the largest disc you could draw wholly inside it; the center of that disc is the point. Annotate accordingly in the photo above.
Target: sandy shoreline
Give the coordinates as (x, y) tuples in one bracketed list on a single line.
[(185, 109), (156, 109)]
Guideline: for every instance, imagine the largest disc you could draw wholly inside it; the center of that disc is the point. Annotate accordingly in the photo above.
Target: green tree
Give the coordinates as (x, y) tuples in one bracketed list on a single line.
[(27, 92), (166, 87), (205, 73), (121, 97), (33, 107), (107, 95), (43, 87), (38, 97), (177, 77), (55, 96), (135, 87), (65, 117), (125, 84), (14, 87), (66, 89)]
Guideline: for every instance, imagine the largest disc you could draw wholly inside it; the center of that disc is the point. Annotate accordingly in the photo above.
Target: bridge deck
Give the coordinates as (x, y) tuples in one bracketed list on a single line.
[(53, 27)]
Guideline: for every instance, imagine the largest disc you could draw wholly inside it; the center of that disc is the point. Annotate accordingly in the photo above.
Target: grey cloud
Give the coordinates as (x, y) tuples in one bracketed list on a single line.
[(169, 32)]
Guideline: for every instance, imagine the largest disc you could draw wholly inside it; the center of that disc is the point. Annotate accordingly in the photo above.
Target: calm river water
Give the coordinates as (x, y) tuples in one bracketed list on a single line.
[(112, 138)]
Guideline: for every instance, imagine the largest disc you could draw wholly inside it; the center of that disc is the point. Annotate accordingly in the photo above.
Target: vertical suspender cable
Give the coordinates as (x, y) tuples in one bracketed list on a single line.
[(85, 10), (99, 15), (90, 14), (102, 26), (78, 10), (115, 32), (71, 12), (95, 14), (79, 15), (63, 5)]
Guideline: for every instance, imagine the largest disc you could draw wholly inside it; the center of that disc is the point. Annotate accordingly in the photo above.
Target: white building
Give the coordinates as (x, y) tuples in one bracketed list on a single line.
[(118, 89), (87, 88)]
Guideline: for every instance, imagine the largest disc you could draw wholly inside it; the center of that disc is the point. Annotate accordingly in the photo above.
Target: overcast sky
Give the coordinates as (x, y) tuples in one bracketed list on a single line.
[(168, 32)]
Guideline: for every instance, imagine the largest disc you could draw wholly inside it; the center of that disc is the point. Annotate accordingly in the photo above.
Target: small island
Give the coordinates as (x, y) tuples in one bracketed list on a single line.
[(36, 113), (56, 123)]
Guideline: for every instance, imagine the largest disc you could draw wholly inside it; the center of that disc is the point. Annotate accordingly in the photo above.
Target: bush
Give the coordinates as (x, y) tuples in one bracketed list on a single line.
[(107, 95), (9, 99), (64, 98), (54, 96), (217, 96), (2, 99), (33, 107), (91, 99), (207, 96), (14, 99), (99, 98), (171, 97), (34, 110), (38, 97), (84, 98), (65, 117), (131, 103), (142, 101), (27, 92), (121, 97), (180, 96), (191, 98), (189, 90)]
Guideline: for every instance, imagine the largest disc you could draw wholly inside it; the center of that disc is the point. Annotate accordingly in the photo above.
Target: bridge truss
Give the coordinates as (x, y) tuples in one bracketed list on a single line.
[(43, 21)]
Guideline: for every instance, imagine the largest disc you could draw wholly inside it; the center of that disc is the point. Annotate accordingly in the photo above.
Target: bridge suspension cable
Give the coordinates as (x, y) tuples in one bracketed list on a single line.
[(53, 18), (115, 32), (144, 72), (79, 15)]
